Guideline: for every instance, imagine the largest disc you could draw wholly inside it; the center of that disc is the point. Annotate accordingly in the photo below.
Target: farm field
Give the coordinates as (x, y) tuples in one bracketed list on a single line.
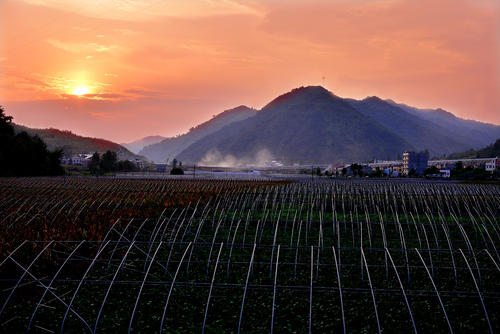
[(114, 255)]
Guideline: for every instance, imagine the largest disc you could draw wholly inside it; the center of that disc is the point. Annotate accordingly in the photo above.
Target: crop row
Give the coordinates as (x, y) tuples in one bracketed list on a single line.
[(183, 256)]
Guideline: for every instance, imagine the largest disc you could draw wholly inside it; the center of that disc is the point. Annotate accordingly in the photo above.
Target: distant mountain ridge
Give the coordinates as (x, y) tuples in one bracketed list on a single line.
[(312, 125), (72, 143), (306, 125), (137, 145), (416, 130), (473, 134), (169, 148)]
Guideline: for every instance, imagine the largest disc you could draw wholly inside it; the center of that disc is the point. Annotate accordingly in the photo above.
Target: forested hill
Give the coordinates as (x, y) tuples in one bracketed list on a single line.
[(490, 151), (22, 154), (169, 148), (72, 143), (306, 125), (312, 125)]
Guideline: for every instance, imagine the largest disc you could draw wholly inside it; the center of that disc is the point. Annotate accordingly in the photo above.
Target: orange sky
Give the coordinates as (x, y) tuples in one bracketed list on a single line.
[(159, 67)]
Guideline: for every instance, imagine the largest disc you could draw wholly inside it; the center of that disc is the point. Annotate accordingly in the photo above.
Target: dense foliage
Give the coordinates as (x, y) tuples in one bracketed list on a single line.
[(108, 162), (490, 151), (126, 166), (24, 155), (470, 173), (176, 168), (72, 143), (432, 170)]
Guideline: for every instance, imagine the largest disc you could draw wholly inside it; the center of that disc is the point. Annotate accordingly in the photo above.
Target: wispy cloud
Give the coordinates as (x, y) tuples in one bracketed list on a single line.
[(104, 96), (149, 9), (145, 93), (81, 47)]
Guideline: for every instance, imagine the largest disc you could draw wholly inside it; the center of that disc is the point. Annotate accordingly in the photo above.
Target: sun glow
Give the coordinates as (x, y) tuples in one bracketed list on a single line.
[(80, 90)]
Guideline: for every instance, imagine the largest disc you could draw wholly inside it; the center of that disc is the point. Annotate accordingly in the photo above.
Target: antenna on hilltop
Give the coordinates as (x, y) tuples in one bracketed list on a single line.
[(323, 78)]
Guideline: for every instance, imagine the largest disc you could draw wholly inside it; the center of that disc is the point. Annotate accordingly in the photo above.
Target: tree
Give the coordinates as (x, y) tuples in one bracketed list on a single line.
[(459, 170), (6, 128), (126, 166), (6, 134), (176, 170), (412, 172), (377, 172), (480, 174), (25, 155), (94, 163), (431, 170), (54, 161), (357, 169), (108, 161)]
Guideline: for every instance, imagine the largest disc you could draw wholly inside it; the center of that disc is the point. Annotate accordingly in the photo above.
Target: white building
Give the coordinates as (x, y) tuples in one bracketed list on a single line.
[(445, 173), (490, 166)]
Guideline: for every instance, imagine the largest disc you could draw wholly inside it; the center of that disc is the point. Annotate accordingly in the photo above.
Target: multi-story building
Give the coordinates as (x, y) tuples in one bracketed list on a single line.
[(417, 161), (490, 166), (390, 167)]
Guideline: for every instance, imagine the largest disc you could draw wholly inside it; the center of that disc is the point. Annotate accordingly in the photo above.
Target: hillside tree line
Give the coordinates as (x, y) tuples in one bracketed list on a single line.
[(108, 163), (24, 155)]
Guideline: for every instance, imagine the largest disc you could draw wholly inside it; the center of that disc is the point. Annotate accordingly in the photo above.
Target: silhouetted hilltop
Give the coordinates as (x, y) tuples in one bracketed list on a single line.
[(169, 148), (312, 125), (72, 143), (306, 125)]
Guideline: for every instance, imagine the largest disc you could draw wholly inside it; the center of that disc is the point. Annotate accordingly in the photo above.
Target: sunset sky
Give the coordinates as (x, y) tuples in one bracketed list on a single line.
[(125, 69)]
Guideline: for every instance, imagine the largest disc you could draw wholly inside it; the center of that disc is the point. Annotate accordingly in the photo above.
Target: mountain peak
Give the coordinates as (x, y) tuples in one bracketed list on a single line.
[(241, 108), (302, 94), (445, 113), (373, 99), (308, 90), (310, 124)]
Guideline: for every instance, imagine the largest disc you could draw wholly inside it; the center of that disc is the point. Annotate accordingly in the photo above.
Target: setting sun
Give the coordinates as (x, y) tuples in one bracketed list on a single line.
[(80, 90)]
